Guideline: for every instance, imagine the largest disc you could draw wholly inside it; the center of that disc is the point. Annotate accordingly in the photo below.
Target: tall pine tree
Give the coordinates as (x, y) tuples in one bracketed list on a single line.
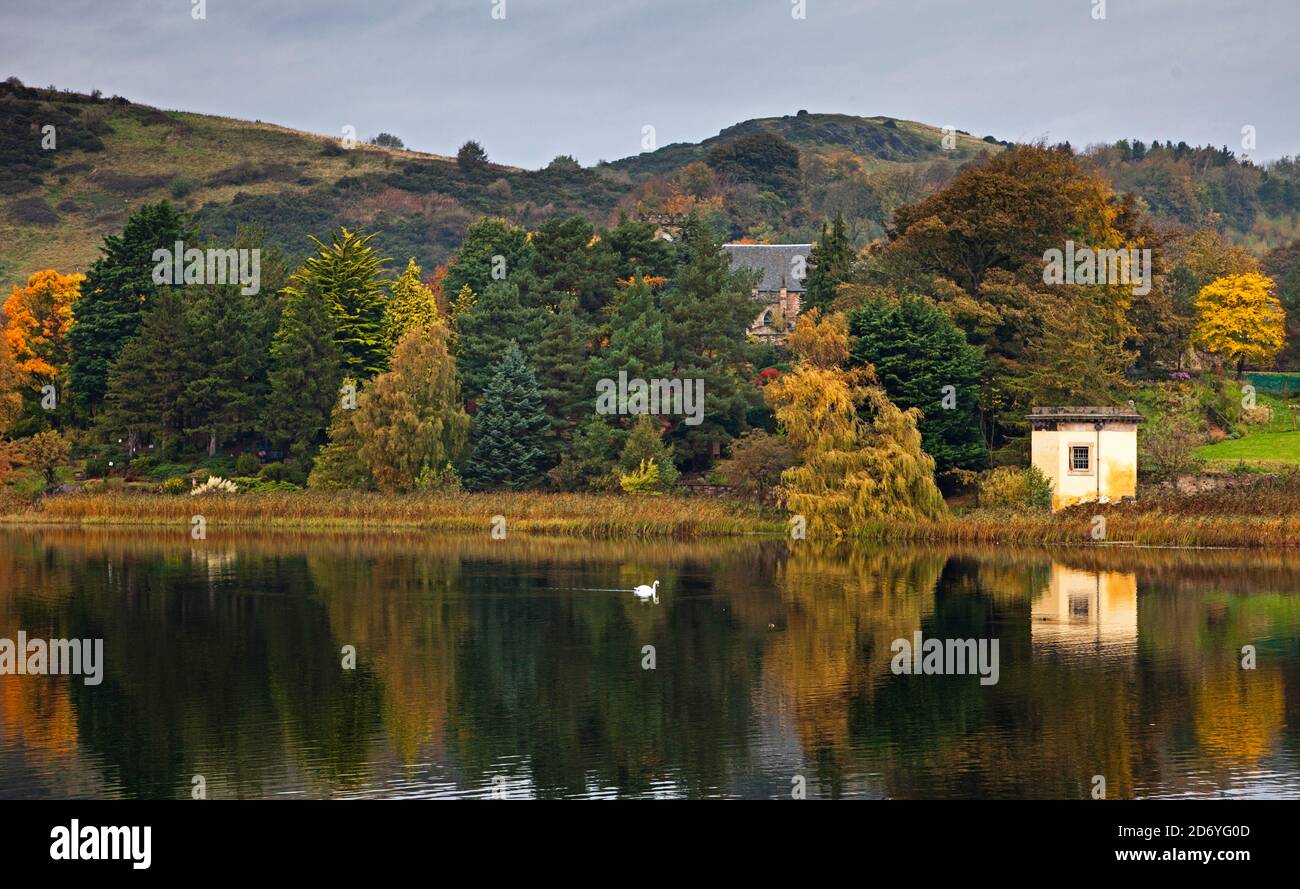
[(563, 372), (304, 375), (509, 429), (830, 265), (118, 289), (225, 362), (346, 272), (146, 383), (708, 311), (496, 319)]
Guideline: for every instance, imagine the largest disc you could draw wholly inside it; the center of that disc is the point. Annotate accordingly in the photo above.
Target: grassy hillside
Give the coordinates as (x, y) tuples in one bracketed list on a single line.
[(113, 155)]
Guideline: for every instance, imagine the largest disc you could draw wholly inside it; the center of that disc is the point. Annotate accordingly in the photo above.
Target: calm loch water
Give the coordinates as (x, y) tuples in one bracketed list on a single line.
[(511, 667)]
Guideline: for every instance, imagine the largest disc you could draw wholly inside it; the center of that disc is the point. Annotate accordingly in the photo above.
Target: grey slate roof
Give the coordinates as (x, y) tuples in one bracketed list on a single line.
[(775, 261)]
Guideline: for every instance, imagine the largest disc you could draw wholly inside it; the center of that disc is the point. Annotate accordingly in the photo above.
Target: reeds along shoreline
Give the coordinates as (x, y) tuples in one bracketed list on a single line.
[(1264, 519), (578, 515)]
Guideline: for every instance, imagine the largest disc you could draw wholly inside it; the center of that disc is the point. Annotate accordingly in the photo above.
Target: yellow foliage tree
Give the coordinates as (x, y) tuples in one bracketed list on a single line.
[(821, 342), (854, 471), (38, 318), (1239, 319)]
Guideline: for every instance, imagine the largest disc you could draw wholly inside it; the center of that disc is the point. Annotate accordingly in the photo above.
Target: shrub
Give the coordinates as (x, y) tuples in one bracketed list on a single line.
[(1261, 415), (97, 467), (175, 485), (247, 464), (644, 480), (182, 186), (293, 473), (1010, 487), (645, 443), (757, 461), (46, 452), (215, 485), (1167, 445), (445, 480)]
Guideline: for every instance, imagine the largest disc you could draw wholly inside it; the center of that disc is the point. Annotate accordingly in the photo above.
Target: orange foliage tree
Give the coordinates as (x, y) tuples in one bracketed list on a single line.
[(38, 317)]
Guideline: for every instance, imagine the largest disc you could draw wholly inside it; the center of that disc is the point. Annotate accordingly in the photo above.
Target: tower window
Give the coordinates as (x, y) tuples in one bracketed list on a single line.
[(1080, 458)]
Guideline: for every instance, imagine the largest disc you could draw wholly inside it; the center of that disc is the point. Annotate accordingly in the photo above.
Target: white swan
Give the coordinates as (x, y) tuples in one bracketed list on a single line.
[(644, 592)]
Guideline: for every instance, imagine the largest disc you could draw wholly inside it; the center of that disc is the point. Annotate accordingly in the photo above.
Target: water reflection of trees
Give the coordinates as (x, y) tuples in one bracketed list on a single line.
[(481, 658)]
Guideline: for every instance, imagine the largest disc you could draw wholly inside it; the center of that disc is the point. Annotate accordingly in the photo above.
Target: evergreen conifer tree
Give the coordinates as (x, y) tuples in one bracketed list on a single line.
[(509, 428)]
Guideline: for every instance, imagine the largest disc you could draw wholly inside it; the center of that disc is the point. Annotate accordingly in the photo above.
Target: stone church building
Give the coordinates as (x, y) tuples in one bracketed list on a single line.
[(782, 270)]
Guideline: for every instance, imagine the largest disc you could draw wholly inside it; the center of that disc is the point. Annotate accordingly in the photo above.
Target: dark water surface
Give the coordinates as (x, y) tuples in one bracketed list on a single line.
[(508, 666)]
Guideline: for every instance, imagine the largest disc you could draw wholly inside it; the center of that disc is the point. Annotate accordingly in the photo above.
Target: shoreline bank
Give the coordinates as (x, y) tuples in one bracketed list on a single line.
[(605, 516)]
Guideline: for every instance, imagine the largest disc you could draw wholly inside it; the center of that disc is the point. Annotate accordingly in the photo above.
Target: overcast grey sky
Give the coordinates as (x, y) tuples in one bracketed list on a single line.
[(583, 77)]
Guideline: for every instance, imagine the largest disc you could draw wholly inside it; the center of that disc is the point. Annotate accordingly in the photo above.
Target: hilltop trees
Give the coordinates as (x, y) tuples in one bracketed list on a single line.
[(116, 292), (471, 156), (765, 159)]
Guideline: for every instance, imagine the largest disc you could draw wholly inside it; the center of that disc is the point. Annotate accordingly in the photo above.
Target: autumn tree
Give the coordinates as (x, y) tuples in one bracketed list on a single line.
[(409, 421), (11, 406), (1239, 319), (861, 457), (412, 305), (38, 317), (1004, 213), (46, 452)]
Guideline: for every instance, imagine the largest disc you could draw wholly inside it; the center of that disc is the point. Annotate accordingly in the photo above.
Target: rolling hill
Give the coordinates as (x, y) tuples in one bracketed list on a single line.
[(111, 155)]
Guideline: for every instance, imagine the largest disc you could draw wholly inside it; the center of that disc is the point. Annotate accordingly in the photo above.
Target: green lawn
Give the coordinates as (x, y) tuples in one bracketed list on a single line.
[(1258, 447)]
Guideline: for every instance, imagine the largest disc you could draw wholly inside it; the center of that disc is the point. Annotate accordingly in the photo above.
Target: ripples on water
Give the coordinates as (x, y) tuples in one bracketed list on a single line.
[(508, 668)]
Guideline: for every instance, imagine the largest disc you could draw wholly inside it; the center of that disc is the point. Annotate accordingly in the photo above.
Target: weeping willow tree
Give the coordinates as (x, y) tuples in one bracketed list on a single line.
[(862, 460)]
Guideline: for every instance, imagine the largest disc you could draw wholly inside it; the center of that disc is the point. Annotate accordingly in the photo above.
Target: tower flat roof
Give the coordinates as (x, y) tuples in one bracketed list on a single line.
[(1127, 413)]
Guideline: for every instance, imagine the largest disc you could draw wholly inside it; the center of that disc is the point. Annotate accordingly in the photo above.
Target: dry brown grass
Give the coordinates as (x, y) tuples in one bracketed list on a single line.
[(579, 515)]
